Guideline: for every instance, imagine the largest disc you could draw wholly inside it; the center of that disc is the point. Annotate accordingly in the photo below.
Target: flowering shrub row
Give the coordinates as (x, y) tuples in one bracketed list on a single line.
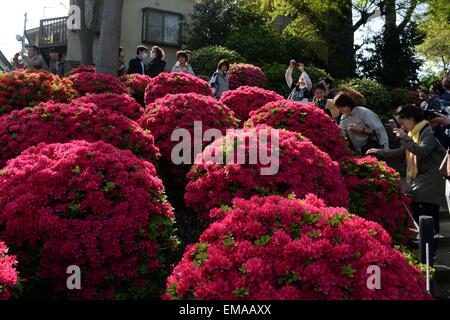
[(173, 83), (92, 206), (310, 121), (89, 82), (136, 85), (59, 123), (274, 248), (28, 88), (302, 169), (242, 74), (246, 99)]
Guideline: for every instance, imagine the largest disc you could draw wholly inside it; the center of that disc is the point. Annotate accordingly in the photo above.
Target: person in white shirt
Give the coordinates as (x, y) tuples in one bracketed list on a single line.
[(363, 127), (182, 65), (301, 90)]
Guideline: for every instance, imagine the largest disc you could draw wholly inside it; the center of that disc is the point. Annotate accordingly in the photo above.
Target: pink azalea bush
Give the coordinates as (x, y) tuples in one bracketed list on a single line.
[(60, 123), (274, 248), (181, 111), (173, 83), (119, 103), (28, 88), (8, 273), (307, 119), (245, 99), (242, 74), (80, 69), (90, 82), (136, 84), (375, 193), (93, 206), (303, 168)]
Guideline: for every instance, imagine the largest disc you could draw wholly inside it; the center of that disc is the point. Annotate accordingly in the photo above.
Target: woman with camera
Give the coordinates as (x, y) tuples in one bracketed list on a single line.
[(362, 126), (424, 155), (301, 90)]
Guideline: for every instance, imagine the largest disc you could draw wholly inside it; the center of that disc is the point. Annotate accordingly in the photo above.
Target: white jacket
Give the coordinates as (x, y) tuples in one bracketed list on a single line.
[(305, 76), (188, 69)]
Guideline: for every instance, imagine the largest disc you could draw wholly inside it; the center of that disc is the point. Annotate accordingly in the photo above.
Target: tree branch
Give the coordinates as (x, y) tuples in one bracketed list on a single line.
[(363, 20), (408, 15)]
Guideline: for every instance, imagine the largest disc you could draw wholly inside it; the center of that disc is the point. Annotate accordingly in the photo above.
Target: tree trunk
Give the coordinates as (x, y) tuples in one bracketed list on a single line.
[(108, 49), (90, 12), (340, 39)]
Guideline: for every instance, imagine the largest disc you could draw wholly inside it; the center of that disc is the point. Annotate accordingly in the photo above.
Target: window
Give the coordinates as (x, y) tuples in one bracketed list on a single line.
[(162, 27)]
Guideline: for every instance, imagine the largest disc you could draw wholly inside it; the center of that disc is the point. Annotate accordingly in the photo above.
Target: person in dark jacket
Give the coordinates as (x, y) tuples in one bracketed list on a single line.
[(58, 65), (424, 155), (157, 65), (137, 64), (122, 70)]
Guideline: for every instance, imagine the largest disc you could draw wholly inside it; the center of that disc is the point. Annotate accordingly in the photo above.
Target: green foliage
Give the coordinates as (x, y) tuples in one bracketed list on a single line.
[(205, 60), (376, 95), (258, 44)]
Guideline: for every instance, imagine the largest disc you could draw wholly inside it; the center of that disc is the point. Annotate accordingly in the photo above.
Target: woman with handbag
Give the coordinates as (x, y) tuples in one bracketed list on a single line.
[(424, 155), (362, 126)]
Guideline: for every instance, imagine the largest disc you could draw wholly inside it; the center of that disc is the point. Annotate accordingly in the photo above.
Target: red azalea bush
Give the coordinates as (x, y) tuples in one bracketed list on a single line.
[(81, 69), (245, 99), (8, 274), (274, 248), (120, 103), (60, 123), (173, 83), (375, 193), (28, 88), (90, 82), (180, 111), (136, 84), (303, 168), (242, 74), (93, 206), (307, 119)]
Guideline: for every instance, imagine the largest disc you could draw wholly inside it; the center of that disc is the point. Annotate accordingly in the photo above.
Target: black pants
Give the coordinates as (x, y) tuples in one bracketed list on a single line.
[(426, 209)]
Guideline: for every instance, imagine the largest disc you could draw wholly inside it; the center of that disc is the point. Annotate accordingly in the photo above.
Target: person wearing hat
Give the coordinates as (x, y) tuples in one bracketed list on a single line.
[(58, 65)]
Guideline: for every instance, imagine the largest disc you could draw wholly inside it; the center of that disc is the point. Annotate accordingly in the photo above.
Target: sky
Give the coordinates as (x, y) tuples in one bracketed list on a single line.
[(12, 19)]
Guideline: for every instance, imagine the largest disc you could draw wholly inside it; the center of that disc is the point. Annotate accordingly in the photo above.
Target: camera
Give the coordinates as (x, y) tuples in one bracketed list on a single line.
[(431, 114)]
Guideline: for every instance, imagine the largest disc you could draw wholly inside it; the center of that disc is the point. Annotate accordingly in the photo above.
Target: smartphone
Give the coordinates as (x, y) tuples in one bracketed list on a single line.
[(393, 124)]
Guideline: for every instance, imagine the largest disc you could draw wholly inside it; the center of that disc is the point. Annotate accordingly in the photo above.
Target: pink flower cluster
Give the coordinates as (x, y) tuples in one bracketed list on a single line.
[(376, 193), (90, 82), (119, 103), (180, 111), (8, 274), (136, 84), (81, 69), (246, 99), (303, 169), (242, 74), (307, 119), (173, 83), (93, 206), (60, 123), (274, 248), (28, 88)]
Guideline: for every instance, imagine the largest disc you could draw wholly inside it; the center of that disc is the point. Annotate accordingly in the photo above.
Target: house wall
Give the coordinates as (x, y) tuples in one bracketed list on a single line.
[(132, 19)]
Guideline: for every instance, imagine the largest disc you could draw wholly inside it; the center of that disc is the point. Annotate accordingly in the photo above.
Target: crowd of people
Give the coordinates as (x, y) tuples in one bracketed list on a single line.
[(422, 131)]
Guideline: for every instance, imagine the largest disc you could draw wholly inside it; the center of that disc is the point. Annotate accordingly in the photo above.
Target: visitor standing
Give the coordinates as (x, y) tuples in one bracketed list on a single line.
[(157, 65), (122, 70), (220, 80), (33, 60), (137, 64), (58, 65), (182, 64), (300, 91)]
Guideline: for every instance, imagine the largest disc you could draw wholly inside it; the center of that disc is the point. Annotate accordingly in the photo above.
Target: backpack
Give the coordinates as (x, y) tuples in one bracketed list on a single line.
[(298, 94)]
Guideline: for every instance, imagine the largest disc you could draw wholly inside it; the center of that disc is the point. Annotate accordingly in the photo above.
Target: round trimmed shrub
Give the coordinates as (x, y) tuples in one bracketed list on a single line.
[(375, 193), (246, 75), (274, 248), (119, 103), (307, 119), (302, 168), (27, 88), (136, 85), (8, 273), (60, 123), (173, 83), (180, 111), (376, 95), (245, 99), (205, 60), (89, 205), (90, 82)]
